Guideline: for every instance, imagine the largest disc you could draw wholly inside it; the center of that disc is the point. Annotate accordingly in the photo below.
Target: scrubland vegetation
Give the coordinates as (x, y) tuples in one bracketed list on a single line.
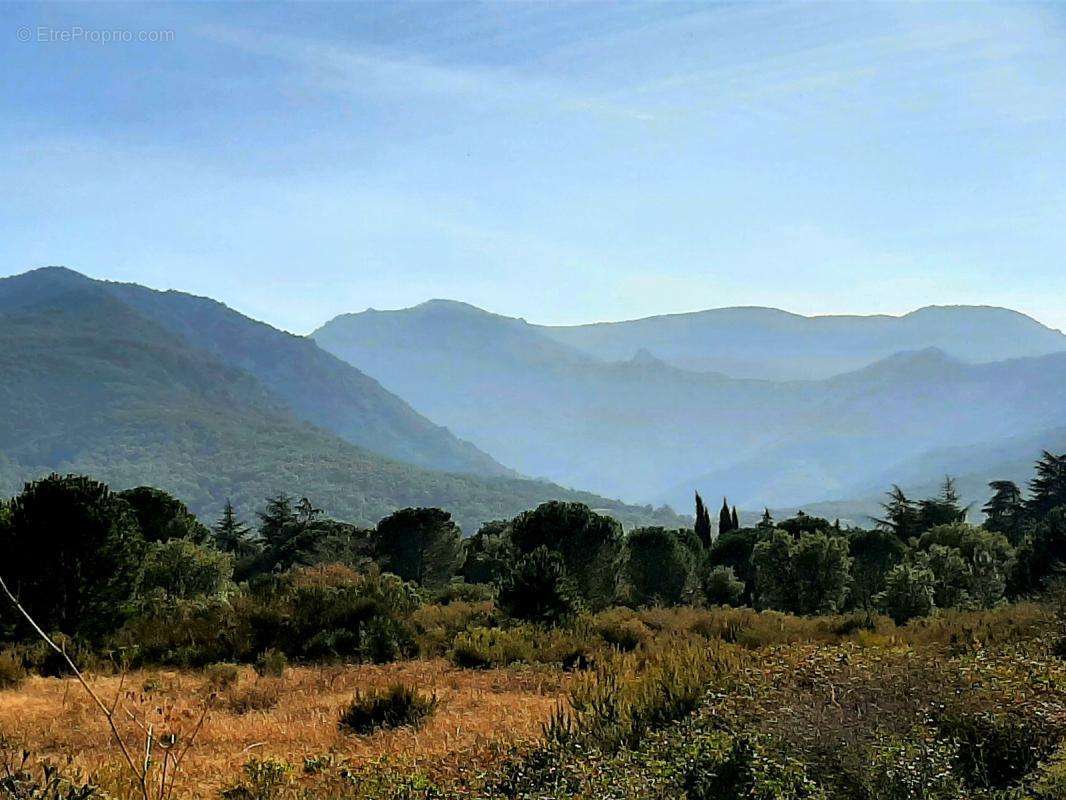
[(547, 656)]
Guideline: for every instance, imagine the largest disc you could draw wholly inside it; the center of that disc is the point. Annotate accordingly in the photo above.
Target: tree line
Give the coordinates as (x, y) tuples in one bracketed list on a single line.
[(103, 567)]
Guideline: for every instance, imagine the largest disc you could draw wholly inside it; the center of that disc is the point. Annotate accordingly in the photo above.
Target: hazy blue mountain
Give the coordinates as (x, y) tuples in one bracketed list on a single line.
[(893, 422), (316, 386), (645, 429), (972, 467), (768, 343), (93, 384)]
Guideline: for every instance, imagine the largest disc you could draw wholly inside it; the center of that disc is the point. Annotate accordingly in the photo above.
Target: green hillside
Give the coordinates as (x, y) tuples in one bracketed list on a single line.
[(315, 386), (93, 386)]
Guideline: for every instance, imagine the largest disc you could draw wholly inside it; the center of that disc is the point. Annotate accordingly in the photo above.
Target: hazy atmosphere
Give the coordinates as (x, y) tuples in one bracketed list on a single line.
[(557, 162), (543, 400)]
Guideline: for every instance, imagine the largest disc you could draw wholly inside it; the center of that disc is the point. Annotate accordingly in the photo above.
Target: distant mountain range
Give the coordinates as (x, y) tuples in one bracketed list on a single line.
[(138, 386), (631, 409), (775, 345)]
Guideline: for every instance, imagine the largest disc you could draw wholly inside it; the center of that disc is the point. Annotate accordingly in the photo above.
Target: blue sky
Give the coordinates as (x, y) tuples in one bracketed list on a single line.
[(559, 162)]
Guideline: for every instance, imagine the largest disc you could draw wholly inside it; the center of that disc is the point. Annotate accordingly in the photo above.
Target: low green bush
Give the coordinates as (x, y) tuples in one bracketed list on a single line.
[(484, 648), (630, 696), (12, 671), (271, 664), (436, 626), (463, 593), (24, 778), (221, 676), (42, 659), (265, 779), (723, 767), (489, 648), (998, 749), (721, 587), (621, 629), (396, 706), (262, 695), (387, 639)]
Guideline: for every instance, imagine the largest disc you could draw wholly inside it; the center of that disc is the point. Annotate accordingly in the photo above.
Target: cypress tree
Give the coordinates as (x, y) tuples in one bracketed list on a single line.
[(736, 519), (703, 523), (725, 518)]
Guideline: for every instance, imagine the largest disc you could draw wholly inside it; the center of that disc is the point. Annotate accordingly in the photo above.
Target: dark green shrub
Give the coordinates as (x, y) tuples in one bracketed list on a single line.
[(725, 768), (263, 780), (721, 587), (484, 648), (422, 545), (24, 779), (848, 624), (998, 749), (588, 543), (657, 565), (271, 664), (75, 552), (388, 639), (332, 613), (221, 676), (12, 671), (621, 629), (180, 568), (436, 626), (189, 633), (539, 589), (463, 593), (45, 661), (393, 707), (908, 593)]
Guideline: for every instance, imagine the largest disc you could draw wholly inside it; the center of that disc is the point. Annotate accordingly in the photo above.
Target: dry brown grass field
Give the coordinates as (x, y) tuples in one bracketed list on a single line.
[(832, 700), (480, 712)]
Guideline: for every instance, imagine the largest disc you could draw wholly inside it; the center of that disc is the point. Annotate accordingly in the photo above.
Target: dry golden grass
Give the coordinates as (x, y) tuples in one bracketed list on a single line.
[(479, 712)]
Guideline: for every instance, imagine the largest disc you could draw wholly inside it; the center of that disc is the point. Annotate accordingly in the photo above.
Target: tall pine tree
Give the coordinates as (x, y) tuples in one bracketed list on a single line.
[(1005, 510), (944, 509), (901, 516), (1048, 489), (277, 520), (735, 522), (231, 534)]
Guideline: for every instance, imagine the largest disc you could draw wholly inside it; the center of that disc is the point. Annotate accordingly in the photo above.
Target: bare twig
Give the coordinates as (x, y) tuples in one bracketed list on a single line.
[(108, 713)]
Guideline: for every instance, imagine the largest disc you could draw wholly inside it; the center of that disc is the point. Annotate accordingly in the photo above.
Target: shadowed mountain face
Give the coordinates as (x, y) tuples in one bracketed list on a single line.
[(646, 429), (140, 387), (314, 385), (772, 344)]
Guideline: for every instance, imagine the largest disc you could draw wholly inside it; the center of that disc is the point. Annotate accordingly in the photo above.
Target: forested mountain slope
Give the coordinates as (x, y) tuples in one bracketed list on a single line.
[(92, 385), (316, 386)]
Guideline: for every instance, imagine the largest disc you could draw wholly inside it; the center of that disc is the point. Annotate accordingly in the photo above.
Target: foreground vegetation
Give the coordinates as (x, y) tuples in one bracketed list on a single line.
[(547, 656), (687, 703)]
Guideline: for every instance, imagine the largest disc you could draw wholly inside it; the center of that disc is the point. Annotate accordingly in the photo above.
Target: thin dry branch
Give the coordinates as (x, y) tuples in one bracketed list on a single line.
[(109, 714)]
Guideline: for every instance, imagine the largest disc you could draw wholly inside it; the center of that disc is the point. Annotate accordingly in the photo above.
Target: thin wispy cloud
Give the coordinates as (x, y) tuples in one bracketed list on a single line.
[(362, 70), (631, 159)]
